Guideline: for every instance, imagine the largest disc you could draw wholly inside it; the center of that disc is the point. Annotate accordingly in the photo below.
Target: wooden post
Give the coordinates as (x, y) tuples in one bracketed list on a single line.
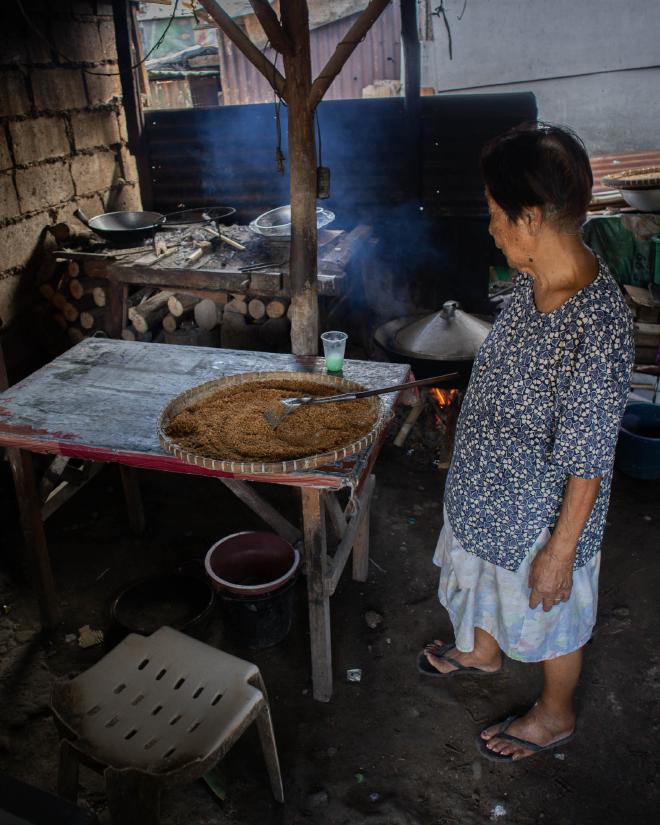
[(291, 38), (302, 166), (411, 55)]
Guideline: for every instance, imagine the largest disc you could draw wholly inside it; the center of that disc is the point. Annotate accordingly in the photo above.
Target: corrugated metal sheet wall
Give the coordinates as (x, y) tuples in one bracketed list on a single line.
[(378, 57), (226, 154)]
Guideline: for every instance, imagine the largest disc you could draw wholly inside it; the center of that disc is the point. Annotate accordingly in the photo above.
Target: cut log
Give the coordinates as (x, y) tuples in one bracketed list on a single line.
[(129, 333), (277, 308), (237, 305), (256, 309), (79, 287), (58, 299), (60, 231), (75, 334), (141, 295), (208, 314), (150, 312), (170, 323), (236, 333), (60, 320), (92, 318), (47, 291), (73, 269), (99, 295), (179, 305), (192, 336), (70, 312)]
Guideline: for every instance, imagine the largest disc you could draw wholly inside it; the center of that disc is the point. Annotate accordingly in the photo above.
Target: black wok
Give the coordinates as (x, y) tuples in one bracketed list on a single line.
[(123, 227)]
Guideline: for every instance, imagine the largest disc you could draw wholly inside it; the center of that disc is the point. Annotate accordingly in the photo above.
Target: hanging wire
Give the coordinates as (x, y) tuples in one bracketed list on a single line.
[(318, 133), (89, 71), (460, 16), (440, 12)]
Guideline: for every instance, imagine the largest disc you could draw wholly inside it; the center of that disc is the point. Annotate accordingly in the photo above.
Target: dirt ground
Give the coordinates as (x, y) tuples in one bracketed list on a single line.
[(391, 749)]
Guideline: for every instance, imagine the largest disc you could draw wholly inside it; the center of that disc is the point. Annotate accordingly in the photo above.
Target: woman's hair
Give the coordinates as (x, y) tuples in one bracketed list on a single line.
[(536, 164)]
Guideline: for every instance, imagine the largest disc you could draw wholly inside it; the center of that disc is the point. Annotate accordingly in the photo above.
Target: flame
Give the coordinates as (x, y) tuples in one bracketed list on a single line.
[(444, 398)]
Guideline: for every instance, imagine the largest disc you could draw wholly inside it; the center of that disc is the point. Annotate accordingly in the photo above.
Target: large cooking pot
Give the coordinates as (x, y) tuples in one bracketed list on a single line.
[(446, 341), (123, 227)]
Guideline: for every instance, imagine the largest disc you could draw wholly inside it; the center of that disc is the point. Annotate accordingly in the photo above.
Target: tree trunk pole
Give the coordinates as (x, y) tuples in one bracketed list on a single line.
[(302, 167)]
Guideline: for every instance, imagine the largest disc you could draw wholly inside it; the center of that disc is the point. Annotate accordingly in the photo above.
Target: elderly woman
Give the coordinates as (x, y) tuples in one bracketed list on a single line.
[(529, 484)]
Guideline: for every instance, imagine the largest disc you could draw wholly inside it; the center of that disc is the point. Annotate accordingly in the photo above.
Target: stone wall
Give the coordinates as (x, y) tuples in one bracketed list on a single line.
[(62, 131)]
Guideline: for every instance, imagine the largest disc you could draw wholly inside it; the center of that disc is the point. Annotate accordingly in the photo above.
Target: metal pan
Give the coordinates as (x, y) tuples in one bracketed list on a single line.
[(123, 227)]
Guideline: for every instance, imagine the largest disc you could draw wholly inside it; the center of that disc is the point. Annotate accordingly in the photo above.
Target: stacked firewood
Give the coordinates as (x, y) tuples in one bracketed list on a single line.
[(72, 299), (229, 320)]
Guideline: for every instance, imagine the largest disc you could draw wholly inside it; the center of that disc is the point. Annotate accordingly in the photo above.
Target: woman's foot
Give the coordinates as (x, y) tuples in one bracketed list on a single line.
[(538, 725), (488, 661)]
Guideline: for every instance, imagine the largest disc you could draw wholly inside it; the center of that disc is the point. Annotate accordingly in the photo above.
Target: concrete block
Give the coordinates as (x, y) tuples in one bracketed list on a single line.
[(38, 50), (80, 38), (103, 88), (13, 41), (108, 41), (91, 205), (14, 98), (128, 165), (9, 207), (39, 139), (5, 156), (20, 239), (95, 129), (93, 173), (125, 197), (123, 129), (58, 88), (42, 186), (8, 288)]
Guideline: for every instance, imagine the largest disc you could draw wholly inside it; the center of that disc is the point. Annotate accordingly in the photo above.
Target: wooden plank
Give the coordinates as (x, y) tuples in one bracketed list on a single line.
[(263, 509), (336, 258), (315, 549), (67, 488), (35, 539), (337, 518), (357, 534)]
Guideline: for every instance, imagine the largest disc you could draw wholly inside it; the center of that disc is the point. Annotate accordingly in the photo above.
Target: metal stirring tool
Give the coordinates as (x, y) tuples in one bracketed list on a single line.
[(288, 405)]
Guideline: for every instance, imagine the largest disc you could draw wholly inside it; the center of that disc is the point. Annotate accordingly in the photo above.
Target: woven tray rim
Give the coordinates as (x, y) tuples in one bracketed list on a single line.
[(201, 391), (626, 178)]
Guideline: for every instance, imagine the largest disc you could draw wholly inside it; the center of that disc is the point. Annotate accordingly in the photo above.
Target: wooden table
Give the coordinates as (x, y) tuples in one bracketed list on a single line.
[(100, 402)]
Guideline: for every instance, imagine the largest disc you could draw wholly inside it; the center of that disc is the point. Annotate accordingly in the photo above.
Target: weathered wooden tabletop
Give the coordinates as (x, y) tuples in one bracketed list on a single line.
[(102, 399)]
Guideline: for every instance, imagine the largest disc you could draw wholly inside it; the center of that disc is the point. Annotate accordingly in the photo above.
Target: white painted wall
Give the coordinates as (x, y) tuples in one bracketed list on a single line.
[(593, 65)]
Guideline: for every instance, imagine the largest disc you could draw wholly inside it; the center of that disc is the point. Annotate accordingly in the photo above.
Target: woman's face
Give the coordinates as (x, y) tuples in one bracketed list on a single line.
[(513, 238)]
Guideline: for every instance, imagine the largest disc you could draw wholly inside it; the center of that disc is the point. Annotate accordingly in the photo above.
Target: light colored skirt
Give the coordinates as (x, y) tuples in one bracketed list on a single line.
[(477, 593)]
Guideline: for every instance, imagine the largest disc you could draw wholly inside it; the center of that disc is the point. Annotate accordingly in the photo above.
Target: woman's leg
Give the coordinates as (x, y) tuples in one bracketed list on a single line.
[(485, 655), (552, 717)]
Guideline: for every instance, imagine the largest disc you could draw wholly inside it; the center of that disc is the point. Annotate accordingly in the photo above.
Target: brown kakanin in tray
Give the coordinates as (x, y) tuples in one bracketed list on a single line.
[(231, 424)]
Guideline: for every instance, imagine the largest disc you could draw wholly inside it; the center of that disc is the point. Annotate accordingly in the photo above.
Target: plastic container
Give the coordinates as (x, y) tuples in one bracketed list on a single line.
[(638, 450), (334, 346), (254, 574)]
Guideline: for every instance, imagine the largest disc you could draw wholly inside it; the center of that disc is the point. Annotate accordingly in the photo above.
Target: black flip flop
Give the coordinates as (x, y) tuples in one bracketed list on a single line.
[(524, 743), (427, 669)]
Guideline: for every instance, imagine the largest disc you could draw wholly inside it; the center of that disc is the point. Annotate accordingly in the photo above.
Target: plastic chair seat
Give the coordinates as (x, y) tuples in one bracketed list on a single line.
[(166, 706)]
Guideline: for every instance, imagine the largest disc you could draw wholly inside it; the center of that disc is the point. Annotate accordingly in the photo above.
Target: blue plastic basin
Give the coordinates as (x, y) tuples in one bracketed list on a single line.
[(638, 450)]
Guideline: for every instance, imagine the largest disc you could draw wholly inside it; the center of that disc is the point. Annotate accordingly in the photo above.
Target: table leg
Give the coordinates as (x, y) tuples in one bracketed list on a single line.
[(29, 505), (361, 543), (115, 307), (133, 498), (313, 512)]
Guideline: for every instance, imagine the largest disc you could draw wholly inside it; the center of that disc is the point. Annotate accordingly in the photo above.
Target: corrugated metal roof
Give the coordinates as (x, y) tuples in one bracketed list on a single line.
[(378, 57)]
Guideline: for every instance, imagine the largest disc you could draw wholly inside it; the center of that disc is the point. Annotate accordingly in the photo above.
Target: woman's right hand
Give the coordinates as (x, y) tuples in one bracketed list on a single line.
[(550, 579)]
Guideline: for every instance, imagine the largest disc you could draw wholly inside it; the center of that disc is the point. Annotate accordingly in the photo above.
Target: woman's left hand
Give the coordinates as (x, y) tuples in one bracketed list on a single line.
[(550, 579)]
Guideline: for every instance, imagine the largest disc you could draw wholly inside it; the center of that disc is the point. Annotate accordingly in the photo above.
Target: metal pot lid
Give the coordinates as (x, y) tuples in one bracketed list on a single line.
[(448, 335)]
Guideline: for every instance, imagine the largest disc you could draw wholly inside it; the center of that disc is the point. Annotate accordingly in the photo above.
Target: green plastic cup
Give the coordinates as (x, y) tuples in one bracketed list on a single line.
[(334, 346)]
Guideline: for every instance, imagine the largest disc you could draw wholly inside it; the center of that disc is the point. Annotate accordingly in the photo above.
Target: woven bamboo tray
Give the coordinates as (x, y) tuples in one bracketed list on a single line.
[(646, 178), (197, 394)]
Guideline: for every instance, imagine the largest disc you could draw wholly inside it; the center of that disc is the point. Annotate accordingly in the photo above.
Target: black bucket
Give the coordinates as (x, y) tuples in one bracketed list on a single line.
[(254, 574)]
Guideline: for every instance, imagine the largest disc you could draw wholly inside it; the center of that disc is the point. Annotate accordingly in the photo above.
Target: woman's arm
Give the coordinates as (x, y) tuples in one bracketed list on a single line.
[(551, 573)]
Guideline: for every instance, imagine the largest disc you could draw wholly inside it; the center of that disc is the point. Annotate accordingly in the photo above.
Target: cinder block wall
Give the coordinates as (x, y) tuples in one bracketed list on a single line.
[(62, 131)]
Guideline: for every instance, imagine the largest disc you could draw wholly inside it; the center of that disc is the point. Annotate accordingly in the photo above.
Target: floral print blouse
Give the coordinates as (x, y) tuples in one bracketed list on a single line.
[(545, 401)]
